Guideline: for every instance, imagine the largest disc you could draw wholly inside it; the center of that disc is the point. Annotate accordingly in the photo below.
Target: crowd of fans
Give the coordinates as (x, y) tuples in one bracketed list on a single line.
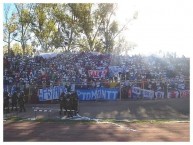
[(71, 69)]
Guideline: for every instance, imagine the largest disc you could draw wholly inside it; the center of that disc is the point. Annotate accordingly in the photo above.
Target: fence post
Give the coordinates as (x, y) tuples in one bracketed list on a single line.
[(120, 89), (29, 95), (167, 96)]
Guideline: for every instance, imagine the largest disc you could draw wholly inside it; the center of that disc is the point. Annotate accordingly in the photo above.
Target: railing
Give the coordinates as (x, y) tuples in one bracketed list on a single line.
[(125, 88)]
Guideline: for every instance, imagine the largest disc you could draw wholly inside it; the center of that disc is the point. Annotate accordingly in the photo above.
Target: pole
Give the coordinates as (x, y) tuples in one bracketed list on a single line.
[(120, 87), (29, 95), (120, 90)]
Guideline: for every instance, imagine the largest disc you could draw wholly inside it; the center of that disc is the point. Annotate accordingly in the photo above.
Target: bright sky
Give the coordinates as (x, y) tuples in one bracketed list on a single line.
[(165, 25)]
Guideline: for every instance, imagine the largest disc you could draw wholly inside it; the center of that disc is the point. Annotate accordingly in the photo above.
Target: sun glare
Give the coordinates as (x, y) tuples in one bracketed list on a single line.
[(161, 25)]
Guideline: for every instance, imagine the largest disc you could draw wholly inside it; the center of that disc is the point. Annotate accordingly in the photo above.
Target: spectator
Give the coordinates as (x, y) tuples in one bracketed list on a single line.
[(73, 67)]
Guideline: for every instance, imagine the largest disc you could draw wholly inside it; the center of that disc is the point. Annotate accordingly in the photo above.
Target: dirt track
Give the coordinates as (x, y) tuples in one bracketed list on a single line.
[(167, 109), (36, 131)]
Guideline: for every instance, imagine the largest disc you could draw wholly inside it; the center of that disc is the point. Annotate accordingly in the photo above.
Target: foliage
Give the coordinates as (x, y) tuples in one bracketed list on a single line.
[(17, 49), (66, 33), (9, 26), (24, 19), (5, 49), (43, 26), (70, 26), (123, 47), (108, 27)]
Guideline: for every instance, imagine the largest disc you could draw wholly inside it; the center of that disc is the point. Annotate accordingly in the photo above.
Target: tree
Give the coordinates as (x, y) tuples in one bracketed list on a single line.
[(5, 49), (30, 50), (17, 49), (110, 28), (122, 46), (65, 36), (86, 26), (9, 26), (44, 25), (91, 18), (74, 32), (107, 26), (24, 19), (83, 15), (99, 28)]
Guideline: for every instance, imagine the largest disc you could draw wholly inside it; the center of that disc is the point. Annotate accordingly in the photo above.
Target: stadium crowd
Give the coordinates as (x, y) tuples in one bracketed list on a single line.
[(72, 70)]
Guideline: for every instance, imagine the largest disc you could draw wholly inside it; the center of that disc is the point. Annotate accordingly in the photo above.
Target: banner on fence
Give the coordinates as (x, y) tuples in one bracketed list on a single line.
[(184, 93), (51, 93), (97, 94), (136, 92), (97, 73), (159, 94), (147, 94), (173, 94)]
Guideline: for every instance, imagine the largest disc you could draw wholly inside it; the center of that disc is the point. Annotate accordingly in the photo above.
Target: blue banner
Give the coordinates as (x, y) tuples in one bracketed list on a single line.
[(159, 94), (98, 94), (51, 93), (136, 92), (142, 93), (147, 94)]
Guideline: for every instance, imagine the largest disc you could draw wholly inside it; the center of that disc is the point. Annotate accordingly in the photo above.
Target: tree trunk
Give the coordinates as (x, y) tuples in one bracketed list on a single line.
[(23, 48), (9, 43), (90, 42)]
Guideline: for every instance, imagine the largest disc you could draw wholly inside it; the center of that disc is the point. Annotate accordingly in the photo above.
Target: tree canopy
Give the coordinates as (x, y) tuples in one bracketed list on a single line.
[(70, 26)]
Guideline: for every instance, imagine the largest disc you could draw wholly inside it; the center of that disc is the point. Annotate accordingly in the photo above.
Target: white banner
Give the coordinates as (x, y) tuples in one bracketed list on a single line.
[(136, 90), (159, 94), (173, 94), (51, 93), (184, 93), (147, 94)]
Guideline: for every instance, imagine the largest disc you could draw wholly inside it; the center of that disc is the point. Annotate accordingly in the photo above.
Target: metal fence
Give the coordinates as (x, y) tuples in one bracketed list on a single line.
[(124, 87)]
